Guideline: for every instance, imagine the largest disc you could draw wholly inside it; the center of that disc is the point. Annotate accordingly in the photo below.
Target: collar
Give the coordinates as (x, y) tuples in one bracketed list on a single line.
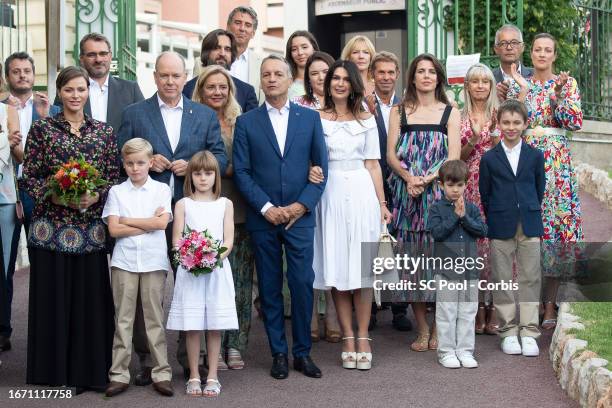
[(244, 56), (513, 149), (162, 103), (446, 201), (285, 107), (29, 102), (146, 186), (380, 101), (93, 82)]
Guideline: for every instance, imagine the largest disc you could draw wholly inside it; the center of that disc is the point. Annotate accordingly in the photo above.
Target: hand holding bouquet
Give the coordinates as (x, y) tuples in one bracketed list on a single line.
[(198, 252), (72, 180)]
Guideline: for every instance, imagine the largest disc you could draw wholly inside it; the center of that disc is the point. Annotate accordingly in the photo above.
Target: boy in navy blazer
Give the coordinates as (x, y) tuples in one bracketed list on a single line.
[(511, 189)]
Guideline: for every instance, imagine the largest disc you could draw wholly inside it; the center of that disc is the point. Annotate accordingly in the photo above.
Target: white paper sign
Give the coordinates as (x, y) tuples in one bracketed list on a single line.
[(323, 7), (457, 66)]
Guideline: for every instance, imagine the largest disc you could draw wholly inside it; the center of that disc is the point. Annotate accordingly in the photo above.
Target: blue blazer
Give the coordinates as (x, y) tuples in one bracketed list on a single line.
[(508, 199), (245, 93), (382, 140), (53, 110), (263, 174), (199, 131)]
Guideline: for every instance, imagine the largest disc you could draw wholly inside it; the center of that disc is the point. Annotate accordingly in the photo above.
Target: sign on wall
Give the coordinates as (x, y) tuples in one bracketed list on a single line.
[(323, 7)]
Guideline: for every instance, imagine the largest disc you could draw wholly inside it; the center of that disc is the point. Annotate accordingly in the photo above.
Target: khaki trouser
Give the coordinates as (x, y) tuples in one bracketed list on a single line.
[(527, 252), (126, 287)]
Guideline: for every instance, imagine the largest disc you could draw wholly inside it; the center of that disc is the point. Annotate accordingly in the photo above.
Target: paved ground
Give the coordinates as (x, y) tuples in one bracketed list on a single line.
[(399, 378)]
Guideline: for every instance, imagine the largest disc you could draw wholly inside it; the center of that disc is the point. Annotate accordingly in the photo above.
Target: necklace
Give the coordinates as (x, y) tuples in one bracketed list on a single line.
[(75, 129)]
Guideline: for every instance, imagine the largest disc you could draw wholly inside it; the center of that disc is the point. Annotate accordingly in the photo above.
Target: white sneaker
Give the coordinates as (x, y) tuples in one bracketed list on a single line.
[(511, 345), (530, 347), (468, 361), (450, 361)]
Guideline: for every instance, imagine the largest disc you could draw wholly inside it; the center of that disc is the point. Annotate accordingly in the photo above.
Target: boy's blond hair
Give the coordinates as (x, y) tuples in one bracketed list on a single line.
[(137, 145)]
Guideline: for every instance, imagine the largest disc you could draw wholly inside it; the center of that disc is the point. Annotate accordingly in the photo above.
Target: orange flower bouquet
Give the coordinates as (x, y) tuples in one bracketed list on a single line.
[(73, 179)]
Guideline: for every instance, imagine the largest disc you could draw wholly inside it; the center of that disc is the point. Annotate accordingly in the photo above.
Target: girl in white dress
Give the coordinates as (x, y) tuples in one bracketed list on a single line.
[(351, 210), (204, 302)]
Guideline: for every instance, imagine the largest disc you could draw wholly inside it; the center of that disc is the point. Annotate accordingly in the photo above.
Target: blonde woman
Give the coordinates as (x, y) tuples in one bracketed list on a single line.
[(215, 89), (479, 134), (360, 50)]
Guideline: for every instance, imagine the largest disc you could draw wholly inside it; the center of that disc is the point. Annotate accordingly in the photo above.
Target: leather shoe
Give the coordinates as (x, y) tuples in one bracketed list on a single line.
[(280, 366), (5, 343), (401, 322), (143, 377), (115, 388), (306, 366), (164, 388)]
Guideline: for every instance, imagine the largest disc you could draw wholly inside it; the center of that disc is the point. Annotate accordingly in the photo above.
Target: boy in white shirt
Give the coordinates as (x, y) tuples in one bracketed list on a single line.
[(137, 212)]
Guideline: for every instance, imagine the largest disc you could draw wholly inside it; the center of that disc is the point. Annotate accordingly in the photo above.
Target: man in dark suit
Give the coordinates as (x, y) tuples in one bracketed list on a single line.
[(219, 47), (19, 72), (509, 48), (177, 128), (108, 96), (385, 71), (511, 184), (281, 208)]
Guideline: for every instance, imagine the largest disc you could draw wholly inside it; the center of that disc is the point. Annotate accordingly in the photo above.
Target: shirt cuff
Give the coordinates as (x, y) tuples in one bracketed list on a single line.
[(266, 207)]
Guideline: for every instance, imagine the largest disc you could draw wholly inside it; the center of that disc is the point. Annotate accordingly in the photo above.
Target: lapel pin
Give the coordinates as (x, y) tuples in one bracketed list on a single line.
[(190, 111)]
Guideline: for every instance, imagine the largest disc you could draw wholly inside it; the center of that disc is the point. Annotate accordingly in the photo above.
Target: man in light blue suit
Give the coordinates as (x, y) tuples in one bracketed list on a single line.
[(274, 146)]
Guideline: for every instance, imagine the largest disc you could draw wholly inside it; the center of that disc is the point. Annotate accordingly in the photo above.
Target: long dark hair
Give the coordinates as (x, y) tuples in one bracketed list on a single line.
[(411, 99), (317, 56), (355, 99), (211, 41), (299, 33)]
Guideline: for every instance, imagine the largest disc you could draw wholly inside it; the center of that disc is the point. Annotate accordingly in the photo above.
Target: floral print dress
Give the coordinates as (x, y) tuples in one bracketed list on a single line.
[(561, 212)]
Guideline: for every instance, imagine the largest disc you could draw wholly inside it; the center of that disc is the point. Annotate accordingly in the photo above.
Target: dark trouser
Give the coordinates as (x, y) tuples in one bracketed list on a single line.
[(268, 248), (7, 291), (397, 308)]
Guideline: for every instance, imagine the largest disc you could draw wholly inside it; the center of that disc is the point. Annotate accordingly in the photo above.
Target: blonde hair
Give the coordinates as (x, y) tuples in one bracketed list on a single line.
[(479, 71), (206, 161), (137, 145), (353, 43)]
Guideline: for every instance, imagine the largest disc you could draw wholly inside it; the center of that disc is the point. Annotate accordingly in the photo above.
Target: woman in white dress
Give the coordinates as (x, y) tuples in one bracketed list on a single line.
[(351, 210)]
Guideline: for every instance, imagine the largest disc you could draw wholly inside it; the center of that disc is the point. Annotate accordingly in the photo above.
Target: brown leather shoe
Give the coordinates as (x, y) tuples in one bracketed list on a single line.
[(164, 388), (115, 388)]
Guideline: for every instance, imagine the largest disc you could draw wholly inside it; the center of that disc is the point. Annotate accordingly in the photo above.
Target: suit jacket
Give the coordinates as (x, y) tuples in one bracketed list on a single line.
[(508, 199), (263, 174), (382, 140), (526, 72), (53, 110), (121, 93), (199, 131), (245, 93)]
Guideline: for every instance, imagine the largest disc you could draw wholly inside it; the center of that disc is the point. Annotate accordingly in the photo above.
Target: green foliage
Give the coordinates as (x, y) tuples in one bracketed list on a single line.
[(557, 17)]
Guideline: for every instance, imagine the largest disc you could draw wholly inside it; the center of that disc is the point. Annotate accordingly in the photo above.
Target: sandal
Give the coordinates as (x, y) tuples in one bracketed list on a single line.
[(212, 389), (549, 324), (332, 336), (193, 388), (349, 358), (234, 359), (221, 365), (421, 343), (364, 359), (433, 340)]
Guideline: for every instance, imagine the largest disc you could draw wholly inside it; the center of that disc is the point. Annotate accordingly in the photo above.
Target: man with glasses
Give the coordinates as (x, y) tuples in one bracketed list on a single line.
[(108, 96), (509, 48)]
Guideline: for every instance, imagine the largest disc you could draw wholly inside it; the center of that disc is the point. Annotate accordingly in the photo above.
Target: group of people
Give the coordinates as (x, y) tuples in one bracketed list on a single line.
[(292, 163)]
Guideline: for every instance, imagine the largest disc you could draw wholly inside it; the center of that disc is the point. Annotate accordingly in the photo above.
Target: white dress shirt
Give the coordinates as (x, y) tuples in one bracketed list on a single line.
[(509, 77), (98, 99), (145, 252), (173, 117), (240, 67), (513, 155), (25, 122), (385, 110), (280, 121)]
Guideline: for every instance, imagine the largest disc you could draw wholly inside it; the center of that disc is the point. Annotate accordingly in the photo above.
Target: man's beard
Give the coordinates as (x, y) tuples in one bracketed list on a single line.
[(223, 63), (19, 91)]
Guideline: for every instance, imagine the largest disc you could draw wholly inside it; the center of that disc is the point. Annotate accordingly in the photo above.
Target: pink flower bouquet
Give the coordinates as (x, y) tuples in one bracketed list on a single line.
[(198, 252)]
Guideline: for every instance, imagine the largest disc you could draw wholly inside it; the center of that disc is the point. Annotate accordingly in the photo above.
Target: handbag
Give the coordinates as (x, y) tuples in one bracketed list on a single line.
[(386, 249)]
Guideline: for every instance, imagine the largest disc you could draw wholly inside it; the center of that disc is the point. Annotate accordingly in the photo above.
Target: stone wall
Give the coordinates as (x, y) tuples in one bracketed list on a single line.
[(595, 182), (593, 144)]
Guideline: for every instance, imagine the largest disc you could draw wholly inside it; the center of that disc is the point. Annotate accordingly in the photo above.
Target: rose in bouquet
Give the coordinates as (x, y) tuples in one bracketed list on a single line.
[(198, 252), (73, 179)]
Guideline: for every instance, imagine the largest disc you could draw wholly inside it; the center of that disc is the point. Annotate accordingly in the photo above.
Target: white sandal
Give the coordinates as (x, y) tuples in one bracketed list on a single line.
[(364, 360), (213, 387), (349, 358), (193, 388)]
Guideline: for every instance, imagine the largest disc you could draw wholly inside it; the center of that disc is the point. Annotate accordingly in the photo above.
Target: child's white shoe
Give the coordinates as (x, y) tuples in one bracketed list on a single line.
[(511, 345), (450, 361), (530, 347), (468, 361)]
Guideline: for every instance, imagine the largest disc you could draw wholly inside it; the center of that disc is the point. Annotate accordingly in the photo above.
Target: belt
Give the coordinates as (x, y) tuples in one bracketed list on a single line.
[(346, 165), (539, 131)]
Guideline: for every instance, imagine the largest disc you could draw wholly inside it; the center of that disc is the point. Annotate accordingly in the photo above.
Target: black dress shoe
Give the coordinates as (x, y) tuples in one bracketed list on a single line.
[(372, 324), (306, 366), (143, 377), (280, 366), (401, 322), (5, 343)]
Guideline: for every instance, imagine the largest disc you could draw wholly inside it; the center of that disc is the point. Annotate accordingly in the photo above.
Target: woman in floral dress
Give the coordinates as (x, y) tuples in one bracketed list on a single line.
[(423, 134), (553, 103), (478, 135)]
